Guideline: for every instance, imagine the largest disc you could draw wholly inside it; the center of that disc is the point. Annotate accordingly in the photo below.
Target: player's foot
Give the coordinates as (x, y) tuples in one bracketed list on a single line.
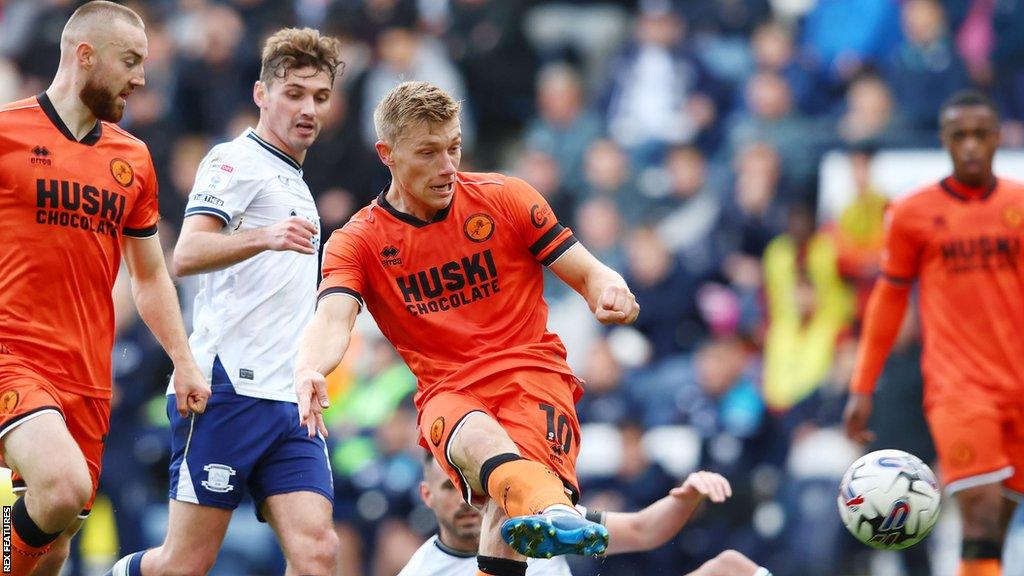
[(554, 534)]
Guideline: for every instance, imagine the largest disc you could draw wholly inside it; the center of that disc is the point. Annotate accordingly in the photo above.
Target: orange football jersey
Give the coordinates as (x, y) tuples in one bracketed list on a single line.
[(460, 297), (65, 205), (964, 247)]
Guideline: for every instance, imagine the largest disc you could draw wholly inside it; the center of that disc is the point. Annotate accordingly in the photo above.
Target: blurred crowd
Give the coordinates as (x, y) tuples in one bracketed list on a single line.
[(681, 140)]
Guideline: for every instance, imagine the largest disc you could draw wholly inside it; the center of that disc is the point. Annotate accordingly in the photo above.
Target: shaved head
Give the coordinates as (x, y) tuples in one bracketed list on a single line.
[(92, 23)]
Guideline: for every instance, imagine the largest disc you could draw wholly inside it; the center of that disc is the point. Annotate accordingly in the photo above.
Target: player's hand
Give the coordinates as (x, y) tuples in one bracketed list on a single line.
[(311, 389), (616, 305), (295, 234), (855, 417), (701, 485), (191, 390)]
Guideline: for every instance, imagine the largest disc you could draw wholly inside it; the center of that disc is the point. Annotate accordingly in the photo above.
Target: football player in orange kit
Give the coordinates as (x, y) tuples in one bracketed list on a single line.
[(961, 240), (76, 192), (449, 264)]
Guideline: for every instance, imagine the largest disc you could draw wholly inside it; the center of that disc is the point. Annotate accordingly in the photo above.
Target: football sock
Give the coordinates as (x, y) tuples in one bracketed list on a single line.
[(762, 571), (28, 541), (489, 565), (522, 487), (987, 567), (130, 565)]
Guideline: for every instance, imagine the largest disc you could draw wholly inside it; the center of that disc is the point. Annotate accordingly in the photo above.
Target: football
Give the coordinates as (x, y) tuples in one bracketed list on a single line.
[(889, 499)]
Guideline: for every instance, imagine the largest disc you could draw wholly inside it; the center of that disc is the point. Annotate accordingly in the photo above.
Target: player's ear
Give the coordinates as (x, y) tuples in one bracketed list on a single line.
[(259, 93), (425, 493), (85, 54), (384, 152)]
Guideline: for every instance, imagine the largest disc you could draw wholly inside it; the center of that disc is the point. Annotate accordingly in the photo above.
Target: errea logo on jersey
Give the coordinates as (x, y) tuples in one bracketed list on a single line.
[(41, 156), (389, 256)]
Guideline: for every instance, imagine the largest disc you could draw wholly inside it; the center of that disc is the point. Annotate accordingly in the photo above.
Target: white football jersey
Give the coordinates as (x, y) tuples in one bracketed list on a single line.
[(252, 313), (436, 559)]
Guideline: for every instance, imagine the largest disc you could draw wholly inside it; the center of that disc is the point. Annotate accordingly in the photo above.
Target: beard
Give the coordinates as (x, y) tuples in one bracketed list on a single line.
[(99, 101)]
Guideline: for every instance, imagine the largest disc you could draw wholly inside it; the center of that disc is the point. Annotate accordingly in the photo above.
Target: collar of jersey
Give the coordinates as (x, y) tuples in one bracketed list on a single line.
[(274, 150), (91, 138), (409, 218), (451, 551), (963, 192)]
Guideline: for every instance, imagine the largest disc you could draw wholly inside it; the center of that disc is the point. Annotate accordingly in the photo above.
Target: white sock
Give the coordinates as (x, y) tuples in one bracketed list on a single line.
[(562, 509), (762, 571)]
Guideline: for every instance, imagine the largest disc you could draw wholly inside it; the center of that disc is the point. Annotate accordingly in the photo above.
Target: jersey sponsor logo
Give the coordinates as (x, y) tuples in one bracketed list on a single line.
[(980, 253), (437, 430), (122, 171), (41, 156), (539, 216), (479, 227), (8, 401), (451, 285), (77, 205), (389, 256), (246, 374), (207, 199), (218, 478)]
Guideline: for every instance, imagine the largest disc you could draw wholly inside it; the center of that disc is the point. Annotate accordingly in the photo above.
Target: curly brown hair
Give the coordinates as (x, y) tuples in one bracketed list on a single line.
[(292, 48)]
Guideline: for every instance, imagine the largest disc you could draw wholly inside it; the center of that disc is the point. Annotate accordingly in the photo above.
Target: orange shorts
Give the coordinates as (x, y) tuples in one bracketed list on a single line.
[(537, 408), (978, 442), (24, 394)]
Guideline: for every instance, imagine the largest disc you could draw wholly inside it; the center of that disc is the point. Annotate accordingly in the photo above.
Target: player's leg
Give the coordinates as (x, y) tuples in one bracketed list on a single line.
[(194, 536), (970, 442), (50, 471), (212, 455), (303, 524), (52, 562), (539, 414), (730, 563), (494, 556), (293, 486)]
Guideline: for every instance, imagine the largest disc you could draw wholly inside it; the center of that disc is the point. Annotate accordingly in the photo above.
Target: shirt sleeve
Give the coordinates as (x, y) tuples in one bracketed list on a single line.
[(142, 221), (535, 222), (343, 272), (901, 257), (223, 188)]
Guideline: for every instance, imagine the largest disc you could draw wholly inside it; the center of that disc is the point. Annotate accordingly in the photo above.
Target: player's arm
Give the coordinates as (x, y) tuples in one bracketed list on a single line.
[(883, 316), (323, 344), (157, 303), (603, 288), (203, 247), (660, 522)]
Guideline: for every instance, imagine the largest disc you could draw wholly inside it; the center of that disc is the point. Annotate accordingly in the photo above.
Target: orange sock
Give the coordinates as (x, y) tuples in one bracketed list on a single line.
[(24, 557), (985, 567), (524, 487)]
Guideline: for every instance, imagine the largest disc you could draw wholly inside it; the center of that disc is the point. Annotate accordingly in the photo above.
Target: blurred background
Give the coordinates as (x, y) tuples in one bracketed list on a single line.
[(731, 158)]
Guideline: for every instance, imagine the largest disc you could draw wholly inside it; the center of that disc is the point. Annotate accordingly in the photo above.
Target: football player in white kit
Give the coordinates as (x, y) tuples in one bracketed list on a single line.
[(452, 551), (252, 232)]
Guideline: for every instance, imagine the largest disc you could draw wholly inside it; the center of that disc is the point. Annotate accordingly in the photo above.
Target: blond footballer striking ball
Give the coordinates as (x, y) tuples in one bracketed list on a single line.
[(889, 499)]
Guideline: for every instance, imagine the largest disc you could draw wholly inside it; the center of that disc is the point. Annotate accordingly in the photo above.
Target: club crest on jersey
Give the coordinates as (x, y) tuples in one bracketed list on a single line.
[(479, 227), (437, 430), (8, 401), (218, 478), (1013, 216), (122, 171)]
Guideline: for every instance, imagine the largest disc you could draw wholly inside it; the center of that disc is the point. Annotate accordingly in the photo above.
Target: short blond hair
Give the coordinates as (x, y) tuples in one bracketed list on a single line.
[(412, 103), (293, 48)]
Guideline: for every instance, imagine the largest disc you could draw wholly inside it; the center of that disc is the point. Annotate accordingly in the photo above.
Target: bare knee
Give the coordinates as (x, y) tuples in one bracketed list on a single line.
[(315, 552), (59, 499), (980, 509), (728, 563)]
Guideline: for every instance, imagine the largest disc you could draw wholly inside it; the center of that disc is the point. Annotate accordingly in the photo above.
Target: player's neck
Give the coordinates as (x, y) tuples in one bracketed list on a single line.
[(407, 204), (75, 114), (268, 136), (457, 546), (971, 187)]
